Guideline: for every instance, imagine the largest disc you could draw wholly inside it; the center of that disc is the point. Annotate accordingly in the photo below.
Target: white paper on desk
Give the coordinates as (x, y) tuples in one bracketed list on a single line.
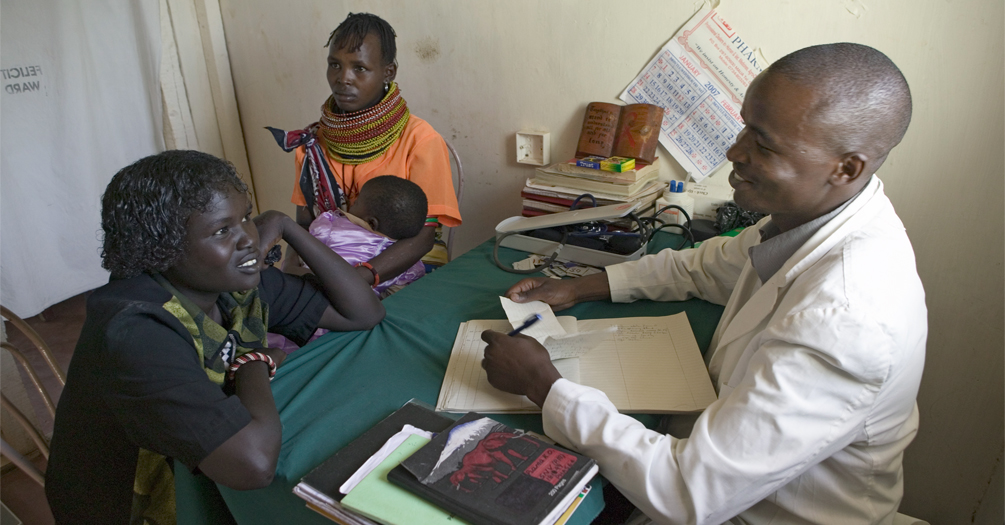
[(699, 78), (549, 325), (649, 365), (466, 385), (529, 263), (577, 344), (389, 446), (559, 335)]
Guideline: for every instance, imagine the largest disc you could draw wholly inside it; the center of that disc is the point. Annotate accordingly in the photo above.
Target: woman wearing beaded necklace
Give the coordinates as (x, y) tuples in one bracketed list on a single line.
[(366, 131)]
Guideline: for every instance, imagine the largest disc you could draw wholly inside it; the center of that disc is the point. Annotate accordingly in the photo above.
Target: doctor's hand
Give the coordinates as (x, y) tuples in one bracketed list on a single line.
[(561, 294), (519, 365)]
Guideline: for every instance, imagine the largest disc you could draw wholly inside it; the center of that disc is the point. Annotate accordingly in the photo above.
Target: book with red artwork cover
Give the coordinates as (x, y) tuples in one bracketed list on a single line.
[(488, 473), (321, 487)]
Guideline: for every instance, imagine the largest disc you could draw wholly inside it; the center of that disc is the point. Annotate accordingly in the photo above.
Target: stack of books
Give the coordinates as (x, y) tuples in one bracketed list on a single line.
[(419, 467), (554, 188), (628, 134)]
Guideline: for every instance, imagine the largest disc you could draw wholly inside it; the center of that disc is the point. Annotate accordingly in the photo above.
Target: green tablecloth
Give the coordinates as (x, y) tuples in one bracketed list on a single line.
[(337, 387)]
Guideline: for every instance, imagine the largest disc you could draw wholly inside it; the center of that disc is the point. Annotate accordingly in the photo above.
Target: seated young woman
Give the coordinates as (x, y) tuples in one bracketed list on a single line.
[(172, 363), (366, 130)]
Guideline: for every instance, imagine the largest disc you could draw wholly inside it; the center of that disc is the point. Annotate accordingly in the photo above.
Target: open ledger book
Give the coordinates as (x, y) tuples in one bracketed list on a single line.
[(643, 364)]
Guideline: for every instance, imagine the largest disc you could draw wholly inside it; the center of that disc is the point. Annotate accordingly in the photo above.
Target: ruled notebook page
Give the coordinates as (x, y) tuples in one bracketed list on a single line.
[(646, 364), (650, 364), (466, 387)]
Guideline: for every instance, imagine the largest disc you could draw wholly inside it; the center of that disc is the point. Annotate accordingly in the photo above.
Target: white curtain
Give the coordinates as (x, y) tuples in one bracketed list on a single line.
[(79, 99)]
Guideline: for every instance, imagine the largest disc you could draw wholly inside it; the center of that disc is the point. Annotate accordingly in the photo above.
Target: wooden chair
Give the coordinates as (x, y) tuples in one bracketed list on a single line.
[(33, 432), (458, 189)]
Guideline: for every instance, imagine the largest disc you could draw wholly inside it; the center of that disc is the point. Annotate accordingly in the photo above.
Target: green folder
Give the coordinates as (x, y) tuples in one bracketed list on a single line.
[(376, 498)]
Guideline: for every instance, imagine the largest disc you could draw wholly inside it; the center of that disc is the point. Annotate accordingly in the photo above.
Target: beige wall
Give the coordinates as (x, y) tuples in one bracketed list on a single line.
[(481, 71)]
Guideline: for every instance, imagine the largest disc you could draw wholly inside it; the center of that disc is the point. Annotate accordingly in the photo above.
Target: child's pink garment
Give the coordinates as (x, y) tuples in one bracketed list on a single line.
[(355, 244), (358, 244)]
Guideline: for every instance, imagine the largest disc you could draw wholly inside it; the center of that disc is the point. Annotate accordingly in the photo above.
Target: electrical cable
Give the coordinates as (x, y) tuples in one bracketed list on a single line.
[(575, 203), (685, 228), (688, 236), (651, 221)]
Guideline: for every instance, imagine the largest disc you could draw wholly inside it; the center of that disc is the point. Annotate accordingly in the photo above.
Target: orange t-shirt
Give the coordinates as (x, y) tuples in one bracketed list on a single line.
[(419, 155)]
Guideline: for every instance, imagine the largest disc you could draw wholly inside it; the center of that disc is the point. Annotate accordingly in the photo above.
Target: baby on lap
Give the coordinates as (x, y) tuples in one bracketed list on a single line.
[(387, 209)]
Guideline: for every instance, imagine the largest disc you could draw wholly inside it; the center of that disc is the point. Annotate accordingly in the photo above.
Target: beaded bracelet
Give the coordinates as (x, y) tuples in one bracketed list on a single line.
[(376, 276), (249, 357)]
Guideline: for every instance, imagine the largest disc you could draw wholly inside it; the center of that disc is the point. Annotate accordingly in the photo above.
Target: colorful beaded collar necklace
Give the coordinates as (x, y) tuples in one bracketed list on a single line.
[(358, 137)]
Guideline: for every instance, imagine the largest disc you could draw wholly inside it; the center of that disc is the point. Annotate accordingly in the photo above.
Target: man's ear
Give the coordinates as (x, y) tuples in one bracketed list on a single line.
[(373, 222), (852, 166)]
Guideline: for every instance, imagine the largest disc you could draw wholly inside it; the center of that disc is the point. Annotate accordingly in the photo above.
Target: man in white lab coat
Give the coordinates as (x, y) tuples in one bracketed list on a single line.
[(819, 353)]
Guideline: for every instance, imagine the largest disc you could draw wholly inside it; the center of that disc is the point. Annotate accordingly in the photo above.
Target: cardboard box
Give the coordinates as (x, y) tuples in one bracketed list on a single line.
[(612, 164), (590, 162), (618, 164)]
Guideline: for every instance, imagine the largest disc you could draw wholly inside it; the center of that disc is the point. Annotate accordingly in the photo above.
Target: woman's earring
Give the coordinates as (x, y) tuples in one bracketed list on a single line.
[(387, 86)]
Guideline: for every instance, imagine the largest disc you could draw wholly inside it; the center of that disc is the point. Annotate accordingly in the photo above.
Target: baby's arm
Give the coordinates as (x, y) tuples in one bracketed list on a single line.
[(399, 256), (352, 304)]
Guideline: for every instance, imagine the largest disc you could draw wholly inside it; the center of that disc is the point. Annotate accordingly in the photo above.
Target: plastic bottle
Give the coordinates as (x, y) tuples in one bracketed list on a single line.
[(677, 196)]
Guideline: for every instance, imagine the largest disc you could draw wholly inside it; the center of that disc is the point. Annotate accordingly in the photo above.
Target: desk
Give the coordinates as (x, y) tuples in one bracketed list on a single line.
[(337, 387)]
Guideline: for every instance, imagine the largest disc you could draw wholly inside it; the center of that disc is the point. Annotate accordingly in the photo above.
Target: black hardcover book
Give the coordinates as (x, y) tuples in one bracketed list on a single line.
[(327, 477), (489, 473)]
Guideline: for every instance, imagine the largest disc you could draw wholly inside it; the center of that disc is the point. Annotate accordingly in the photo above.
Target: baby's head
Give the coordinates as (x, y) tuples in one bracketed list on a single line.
[(146, 208), (392, 206)]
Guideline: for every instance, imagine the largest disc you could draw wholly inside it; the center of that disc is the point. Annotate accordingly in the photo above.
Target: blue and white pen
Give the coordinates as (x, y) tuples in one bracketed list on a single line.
[(526, 324)]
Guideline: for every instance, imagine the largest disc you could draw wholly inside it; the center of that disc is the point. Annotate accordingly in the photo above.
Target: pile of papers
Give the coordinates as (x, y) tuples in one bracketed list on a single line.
[(371, 481), (558, 269)]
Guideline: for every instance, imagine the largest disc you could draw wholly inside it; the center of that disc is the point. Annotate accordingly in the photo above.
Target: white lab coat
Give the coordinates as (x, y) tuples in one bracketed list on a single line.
[(817, 372)]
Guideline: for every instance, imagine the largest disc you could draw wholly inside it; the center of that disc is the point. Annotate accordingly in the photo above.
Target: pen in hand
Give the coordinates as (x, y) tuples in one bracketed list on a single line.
[(533, 318)]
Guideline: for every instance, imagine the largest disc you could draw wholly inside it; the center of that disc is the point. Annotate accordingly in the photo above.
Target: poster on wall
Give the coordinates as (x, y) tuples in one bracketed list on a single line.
[(699, 78), (80, 99)]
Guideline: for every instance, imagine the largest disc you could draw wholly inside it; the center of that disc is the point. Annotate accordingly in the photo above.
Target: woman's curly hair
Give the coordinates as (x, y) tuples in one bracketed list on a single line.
[(146, 207)]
